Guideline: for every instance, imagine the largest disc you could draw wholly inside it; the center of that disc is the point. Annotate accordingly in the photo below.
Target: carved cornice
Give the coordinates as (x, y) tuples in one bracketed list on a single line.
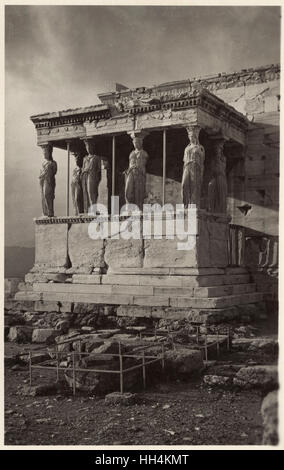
[(167, 97), (175, 90), (71, 116), (82, 219)]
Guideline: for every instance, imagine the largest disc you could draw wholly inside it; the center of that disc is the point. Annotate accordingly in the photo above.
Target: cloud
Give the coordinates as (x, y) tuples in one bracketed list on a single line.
[(59, 57)]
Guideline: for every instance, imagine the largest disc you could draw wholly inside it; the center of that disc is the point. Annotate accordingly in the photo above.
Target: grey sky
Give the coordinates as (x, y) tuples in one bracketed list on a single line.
[(59, 57)]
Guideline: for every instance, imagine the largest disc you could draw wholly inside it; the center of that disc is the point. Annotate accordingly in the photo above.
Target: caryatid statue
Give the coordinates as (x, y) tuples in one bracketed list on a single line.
[(47, 181), (217, 187), (193, 167), (76, 185), (91, 176), (135, 175)]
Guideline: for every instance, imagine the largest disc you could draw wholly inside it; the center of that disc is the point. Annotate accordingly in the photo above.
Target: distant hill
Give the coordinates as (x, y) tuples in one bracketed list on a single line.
[(18, 260)]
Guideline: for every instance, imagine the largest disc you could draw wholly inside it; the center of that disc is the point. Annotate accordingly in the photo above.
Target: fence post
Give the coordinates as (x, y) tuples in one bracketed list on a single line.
[(218, 348), (30, 367), (120, 367), (163, 356), (57, 364), (206, 352), (74, 373), (80, 349), (144, 369), (228, 339)]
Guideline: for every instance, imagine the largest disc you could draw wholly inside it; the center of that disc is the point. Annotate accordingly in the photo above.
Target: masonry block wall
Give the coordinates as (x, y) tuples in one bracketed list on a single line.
[(254, 181)]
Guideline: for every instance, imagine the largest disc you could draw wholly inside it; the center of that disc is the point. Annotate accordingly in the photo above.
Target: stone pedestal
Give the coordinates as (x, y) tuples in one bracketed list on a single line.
[(144, 277)]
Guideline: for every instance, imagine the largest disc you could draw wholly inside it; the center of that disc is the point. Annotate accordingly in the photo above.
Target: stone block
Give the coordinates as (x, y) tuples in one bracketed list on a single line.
[(155, 257), (264, 377), (133, 311), (218, 252), (73, 288), (20, 334), (183, 362), (86, 279), (135, 290), (123, 254), (271, 104), (217, 231), (124, 399), (49, 306), (43, 335), (11, 285), (169, 291), (151, 301), (269, 411), (85, 253), (27, 296), (88, 298), (51, 246)]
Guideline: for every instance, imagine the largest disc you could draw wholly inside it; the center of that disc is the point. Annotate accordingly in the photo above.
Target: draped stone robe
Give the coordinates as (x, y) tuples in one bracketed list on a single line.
[(135, 184), (47, 184)]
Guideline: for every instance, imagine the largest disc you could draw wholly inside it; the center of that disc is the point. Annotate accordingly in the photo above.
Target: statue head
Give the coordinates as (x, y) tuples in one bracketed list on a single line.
[(90, 146), (78, 159), (193, 134), (138, 143), (47, 151)]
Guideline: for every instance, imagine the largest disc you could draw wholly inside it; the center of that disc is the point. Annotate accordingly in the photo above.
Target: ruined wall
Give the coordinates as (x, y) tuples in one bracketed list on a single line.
[(253, 198), (254, 181)]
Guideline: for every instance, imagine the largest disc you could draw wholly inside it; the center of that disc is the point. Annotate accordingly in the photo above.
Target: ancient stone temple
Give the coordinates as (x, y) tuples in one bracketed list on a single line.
[(210, 143)]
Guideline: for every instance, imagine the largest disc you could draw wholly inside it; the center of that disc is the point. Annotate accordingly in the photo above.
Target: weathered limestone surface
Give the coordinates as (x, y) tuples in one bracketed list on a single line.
[(43, 335), (155, 254), (265, 377), (184, 361), (85, 253), (269, 411), (50, 246), (123, 254)]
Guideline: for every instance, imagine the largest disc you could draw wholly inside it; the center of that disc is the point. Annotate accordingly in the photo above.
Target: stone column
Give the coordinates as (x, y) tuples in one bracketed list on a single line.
[(91, 175), (135, 175), (76, 183), (47, 181), (103, 197), (217, 187), (193, 168)]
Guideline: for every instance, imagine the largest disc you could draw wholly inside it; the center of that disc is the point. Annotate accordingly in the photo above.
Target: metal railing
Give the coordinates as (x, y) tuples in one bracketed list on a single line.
[(146, 360)]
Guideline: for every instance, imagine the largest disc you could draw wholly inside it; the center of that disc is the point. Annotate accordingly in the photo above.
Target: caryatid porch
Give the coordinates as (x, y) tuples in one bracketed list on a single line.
[(144, 277)]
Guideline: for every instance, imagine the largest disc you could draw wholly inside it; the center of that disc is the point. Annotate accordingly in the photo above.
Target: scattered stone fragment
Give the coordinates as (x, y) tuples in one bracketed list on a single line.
[(62, 326), (43, 420), (264, 377), (269, 411), (41, 390), (43, 335), (20, 334), (264, 345), (183, 362), (117, 398), (37, 357), (217, 380)]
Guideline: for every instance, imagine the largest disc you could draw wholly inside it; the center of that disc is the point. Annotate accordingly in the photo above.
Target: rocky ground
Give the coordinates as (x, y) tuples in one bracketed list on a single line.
[(166, 414), (190, 404)]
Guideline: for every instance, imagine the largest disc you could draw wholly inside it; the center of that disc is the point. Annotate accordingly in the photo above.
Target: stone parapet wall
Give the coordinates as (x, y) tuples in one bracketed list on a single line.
[(68, 247)]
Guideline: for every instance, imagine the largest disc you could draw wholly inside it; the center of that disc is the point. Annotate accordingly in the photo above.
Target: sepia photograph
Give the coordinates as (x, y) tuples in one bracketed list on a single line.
[(141, 221)]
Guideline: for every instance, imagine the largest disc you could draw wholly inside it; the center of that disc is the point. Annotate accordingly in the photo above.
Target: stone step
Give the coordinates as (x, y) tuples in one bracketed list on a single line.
[(153, 300), (199, 315), (173, 281), (145, 290)]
